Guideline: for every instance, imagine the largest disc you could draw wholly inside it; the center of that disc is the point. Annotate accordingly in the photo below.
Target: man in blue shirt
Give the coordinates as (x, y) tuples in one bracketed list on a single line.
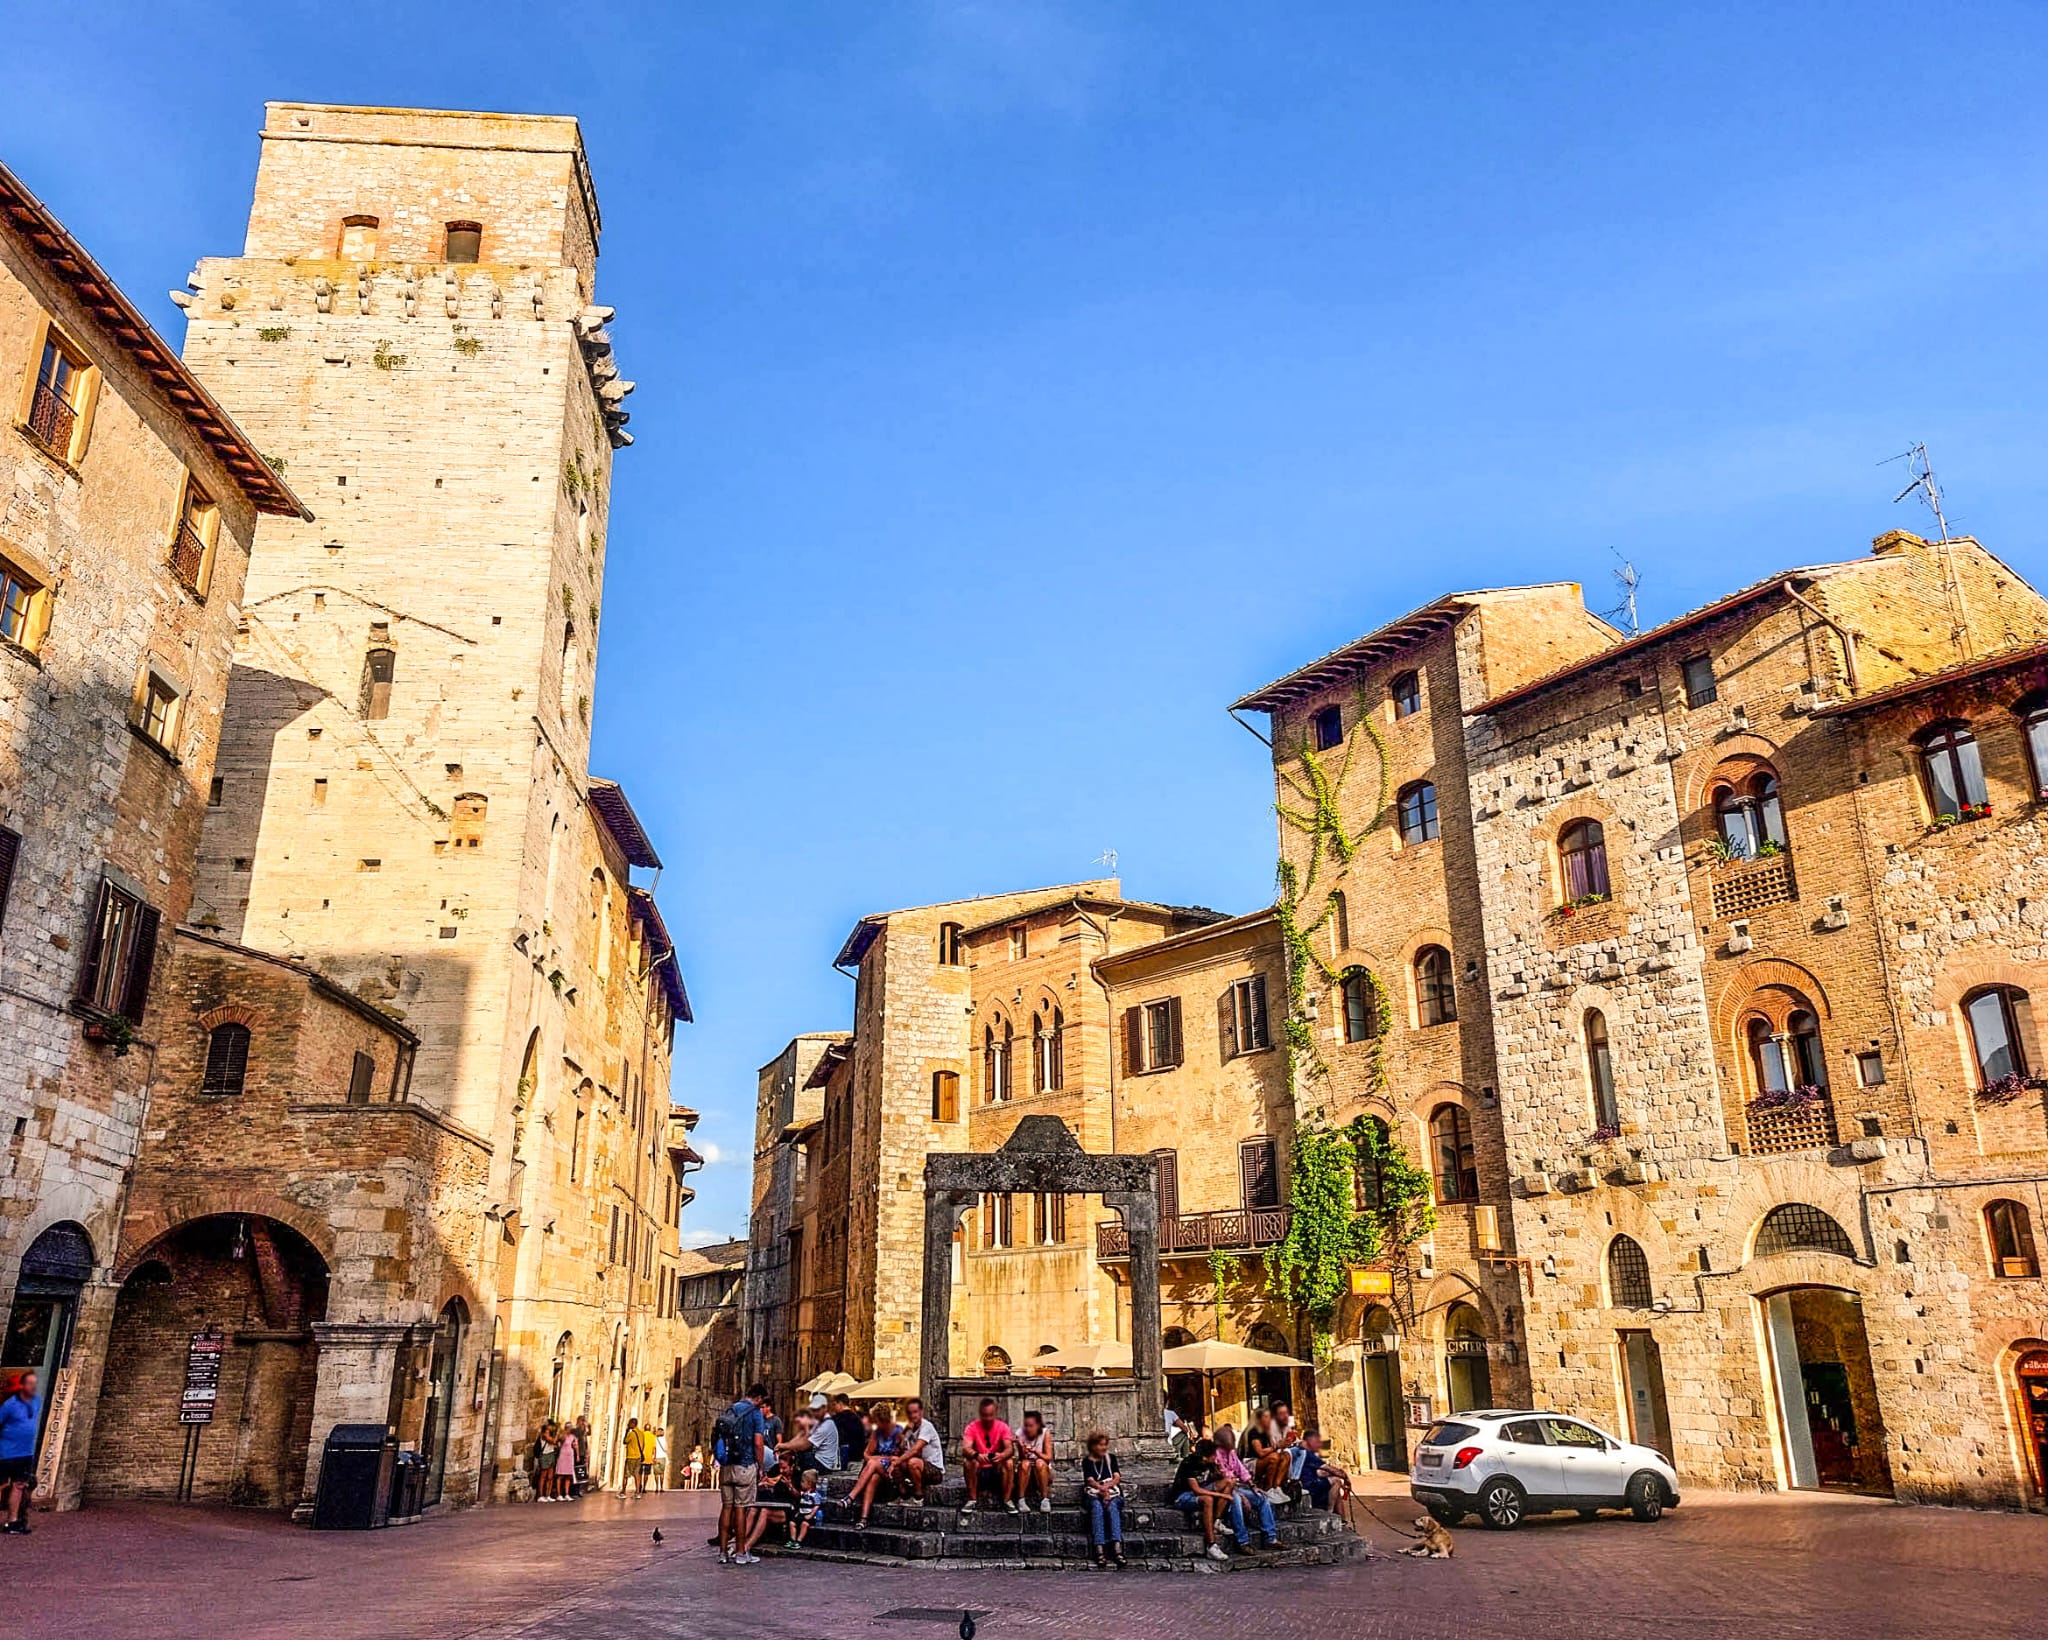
[(739, 1443), (21, 1415)]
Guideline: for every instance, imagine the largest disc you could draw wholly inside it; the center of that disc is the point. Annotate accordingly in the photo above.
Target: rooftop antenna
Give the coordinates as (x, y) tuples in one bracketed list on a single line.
[(1628, 580), (1107, 860), (1922, 470)]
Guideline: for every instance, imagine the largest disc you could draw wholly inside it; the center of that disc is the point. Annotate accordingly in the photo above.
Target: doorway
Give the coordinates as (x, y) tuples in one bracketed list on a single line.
[(440, 1414), (1468, 1377), (1827, 1395), (1385, 1434), (2032, 1372), (1642, 1376), (54, 1271)]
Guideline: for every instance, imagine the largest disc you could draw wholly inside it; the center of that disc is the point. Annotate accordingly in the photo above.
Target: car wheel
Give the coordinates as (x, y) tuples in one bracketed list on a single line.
[(1500, 1505), (1445, 1514), (1646, 1497)]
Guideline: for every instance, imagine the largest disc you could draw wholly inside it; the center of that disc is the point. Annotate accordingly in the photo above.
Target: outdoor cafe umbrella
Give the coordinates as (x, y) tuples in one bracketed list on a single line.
[(828, 1383), (896, 1387), (1211, 1355), (1089, 1357)]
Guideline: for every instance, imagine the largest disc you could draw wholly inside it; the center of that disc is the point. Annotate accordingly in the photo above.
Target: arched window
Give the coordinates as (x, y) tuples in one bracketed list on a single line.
[(1954, 768), (995, 1362), (1600, 1072), (1628, 1275), (465, 241), (2001, 1019), (466, 820), (358, 239), (2034, 719), (1328, 727), (1369, 1172), (2012, 1240), (1436, 999), (1796, 1227), (1406, 694), (1456, 1166), (1417, 810), (995, 1061), (227, 1059), (1751, 819), (1582, 860), (1767, 1058), (1804, 1059), (952, 948), (380, 666), (1361, 1018), (1049, 1051)]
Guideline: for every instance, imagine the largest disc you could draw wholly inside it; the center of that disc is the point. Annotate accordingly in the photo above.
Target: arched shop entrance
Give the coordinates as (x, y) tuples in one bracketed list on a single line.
[(54, 1272), (259, 1286), (1828, 1418), (1386, 1440), (1468, 1378), (2031, 1373), (442, 1365)]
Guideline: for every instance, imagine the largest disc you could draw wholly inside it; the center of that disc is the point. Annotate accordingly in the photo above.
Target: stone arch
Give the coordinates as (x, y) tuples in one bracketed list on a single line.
[(1550, 829), (1450, 1289), (71, 1203), (1750, 749), (1758, 973), (1975, 966), (229, 1014), (146, 1229), (1774, 1181)]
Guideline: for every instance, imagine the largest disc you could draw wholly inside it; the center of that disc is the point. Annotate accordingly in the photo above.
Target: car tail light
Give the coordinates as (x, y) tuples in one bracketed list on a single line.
[(1465, 1455)]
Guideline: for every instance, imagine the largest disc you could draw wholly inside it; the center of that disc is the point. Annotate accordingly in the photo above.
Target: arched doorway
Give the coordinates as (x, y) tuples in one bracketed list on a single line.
[(558, 1378), (1183, 1389), (1828, 1417), (54, 1271), (1468, 1378), (2031, 1373), (260, 1286), (1384, 1436), (1270, 1384), (442, 1364)]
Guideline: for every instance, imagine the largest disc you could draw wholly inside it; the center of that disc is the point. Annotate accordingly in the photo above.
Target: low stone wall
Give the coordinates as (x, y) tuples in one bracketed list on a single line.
[(1071, 1407)]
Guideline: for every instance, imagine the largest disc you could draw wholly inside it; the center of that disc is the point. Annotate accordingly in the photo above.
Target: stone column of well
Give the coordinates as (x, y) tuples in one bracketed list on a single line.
[(1140, 1210), (353, 1385), (942, 1210)]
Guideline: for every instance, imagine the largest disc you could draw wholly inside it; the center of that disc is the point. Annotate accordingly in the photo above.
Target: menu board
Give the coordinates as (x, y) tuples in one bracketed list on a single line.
[(202, 1377)]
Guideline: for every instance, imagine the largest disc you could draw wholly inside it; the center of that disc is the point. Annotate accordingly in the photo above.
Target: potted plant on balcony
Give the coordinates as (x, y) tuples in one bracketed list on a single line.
[(1792, 1101), (2003, 1090)]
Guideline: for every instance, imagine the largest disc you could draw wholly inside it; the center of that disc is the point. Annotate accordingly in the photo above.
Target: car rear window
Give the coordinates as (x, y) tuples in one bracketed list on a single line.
[(1444, 1433)]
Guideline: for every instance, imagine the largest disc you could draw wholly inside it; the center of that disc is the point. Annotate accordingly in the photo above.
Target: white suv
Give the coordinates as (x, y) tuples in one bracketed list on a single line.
[(1501, 1466)]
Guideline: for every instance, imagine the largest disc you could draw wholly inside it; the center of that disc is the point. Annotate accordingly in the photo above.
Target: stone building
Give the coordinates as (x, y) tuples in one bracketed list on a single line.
[(705, 1377), (413, 1151), (128, 501), (968, 1016)]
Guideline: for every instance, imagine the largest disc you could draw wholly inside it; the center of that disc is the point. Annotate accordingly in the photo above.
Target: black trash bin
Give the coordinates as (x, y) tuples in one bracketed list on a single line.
[(408, 1486), (355, 1478)]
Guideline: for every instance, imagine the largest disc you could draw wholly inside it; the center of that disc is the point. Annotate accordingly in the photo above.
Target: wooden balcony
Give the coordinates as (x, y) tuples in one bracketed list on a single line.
[(1199, 1234)]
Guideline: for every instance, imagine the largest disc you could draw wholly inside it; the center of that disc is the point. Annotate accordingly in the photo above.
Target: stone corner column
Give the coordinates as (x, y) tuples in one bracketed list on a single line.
[(352, 1382), (942, 1210), (1140, 1212)]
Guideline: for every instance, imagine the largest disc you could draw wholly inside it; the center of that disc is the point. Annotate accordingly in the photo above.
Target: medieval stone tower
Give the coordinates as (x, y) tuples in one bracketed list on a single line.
[(409, 333)]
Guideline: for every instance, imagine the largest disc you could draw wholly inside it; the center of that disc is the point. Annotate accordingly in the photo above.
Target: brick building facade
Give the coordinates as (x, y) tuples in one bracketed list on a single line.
[(128, 502)]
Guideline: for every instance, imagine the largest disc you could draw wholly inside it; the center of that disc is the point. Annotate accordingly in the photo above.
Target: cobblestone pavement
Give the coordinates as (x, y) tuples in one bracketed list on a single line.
[(1761, 1567)]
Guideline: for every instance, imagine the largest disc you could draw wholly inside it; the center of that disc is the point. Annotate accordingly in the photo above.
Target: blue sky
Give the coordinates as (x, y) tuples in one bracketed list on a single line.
[(1022, 380)]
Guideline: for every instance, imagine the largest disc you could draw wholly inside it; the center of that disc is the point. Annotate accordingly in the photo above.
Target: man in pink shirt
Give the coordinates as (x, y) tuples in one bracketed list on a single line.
[(991, 1459)]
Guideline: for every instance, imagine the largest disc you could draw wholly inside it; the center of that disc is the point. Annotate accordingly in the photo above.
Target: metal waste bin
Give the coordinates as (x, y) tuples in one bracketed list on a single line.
[(408, 1486), (355, 1477)]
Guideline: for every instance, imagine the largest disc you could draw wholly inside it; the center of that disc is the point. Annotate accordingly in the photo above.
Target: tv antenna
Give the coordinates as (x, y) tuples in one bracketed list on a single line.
[(1107, 860), (1628, 580), (1922, 470)]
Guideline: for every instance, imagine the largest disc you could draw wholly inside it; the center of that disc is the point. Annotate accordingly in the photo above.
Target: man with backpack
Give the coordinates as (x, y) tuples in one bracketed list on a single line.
[(738, 1442)]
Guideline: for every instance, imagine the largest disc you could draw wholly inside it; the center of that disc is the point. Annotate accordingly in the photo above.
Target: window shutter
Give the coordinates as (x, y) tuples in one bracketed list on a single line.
[(1169, 1184), (1173, 1030), (1259, 1166), (1134, 1041), (359, 1079), (141, 964), (89, 970), (10, 846), (1226, 1023), (1255, 995)]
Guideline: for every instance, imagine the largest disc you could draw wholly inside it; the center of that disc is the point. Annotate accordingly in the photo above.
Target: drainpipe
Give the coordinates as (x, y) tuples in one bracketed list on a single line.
[(1846, 634)]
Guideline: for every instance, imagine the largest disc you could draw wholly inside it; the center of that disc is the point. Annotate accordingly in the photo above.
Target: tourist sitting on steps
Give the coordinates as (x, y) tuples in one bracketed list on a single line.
[(989, 1448), (810, 1505), (1102, 1485), (1034, 1463), (1328, 1486), (1267, 1452), (1244, 1496), (922, 1462), (884, 1445)]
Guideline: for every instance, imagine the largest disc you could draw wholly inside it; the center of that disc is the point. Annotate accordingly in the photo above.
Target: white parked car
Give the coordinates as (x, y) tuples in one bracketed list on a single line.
[(1501, 1466)]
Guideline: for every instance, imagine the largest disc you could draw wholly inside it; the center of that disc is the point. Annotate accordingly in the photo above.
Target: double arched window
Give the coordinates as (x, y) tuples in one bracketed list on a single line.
[(1954, 768), (1600, 1071), (997, 1040), (227, 1059), (1416, 808), (1436, 998), (1582, 861), (2000, 1020), (1787, 1055), (1750, 817), (1048, 1052), (1361, 1018), (1455, 1164), (1628, 1275)]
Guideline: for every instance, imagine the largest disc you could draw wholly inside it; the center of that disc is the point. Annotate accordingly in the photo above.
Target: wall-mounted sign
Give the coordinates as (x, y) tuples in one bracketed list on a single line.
[(1419, 1414), (1372, 1283), (202, 1376)]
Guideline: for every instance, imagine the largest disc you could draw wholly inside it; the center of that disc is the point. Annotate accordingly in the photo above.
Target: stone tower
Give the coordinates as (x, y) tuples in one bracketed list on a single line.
[(410, 334)]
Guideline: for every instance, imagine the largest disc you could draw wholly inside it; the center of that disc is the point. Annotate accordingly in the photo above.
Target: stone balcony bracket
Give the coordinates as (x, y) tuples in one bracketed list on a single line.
[(1868, 1149), (1534, 1184), (1575, 1179)]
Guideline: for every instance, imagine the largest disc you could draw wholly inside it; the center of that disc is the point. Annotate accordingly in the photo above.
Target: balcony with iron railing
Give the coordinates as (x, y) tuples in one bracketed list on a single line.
[(1238, 1229), (51, 421), (188, 555)]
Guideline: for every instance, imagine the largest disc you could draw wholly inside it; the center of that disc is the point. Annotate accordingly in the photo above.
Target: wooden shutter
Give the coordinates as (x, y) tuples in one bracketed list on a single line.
[(10, 846), (1226, 1023), (359, 1077), (141, 964), (1168, 1163), (1134, 1041), (1173, 1030), (1255, 1012), (1258, 1167), (89, 970)]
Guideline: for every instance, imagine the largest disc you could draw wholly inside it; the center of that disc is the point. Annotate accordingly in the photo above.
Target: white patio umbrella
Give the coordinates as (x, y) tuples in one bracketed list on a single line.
[(1106, 1357), (828, 1383), (896, 1387), (1212, 1355)]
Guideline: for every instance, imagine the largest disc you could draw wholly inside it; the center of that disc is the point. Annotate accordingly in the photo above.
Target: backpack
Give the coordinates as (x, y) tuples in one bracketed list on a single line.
[(725, 1434)]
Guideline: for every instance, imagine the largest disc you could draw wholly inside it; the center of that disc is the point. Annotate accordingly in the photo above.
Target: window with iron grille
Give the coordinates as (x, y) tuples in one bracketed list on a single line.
[(1796, 1226), (1628, 1274), (59, 397), (192, 544)]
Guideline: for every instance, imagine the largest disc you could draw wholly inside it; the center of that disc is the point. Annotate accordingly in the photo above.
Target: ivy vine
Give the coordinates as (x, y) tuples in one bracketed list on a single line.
[(1328, 1232)]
